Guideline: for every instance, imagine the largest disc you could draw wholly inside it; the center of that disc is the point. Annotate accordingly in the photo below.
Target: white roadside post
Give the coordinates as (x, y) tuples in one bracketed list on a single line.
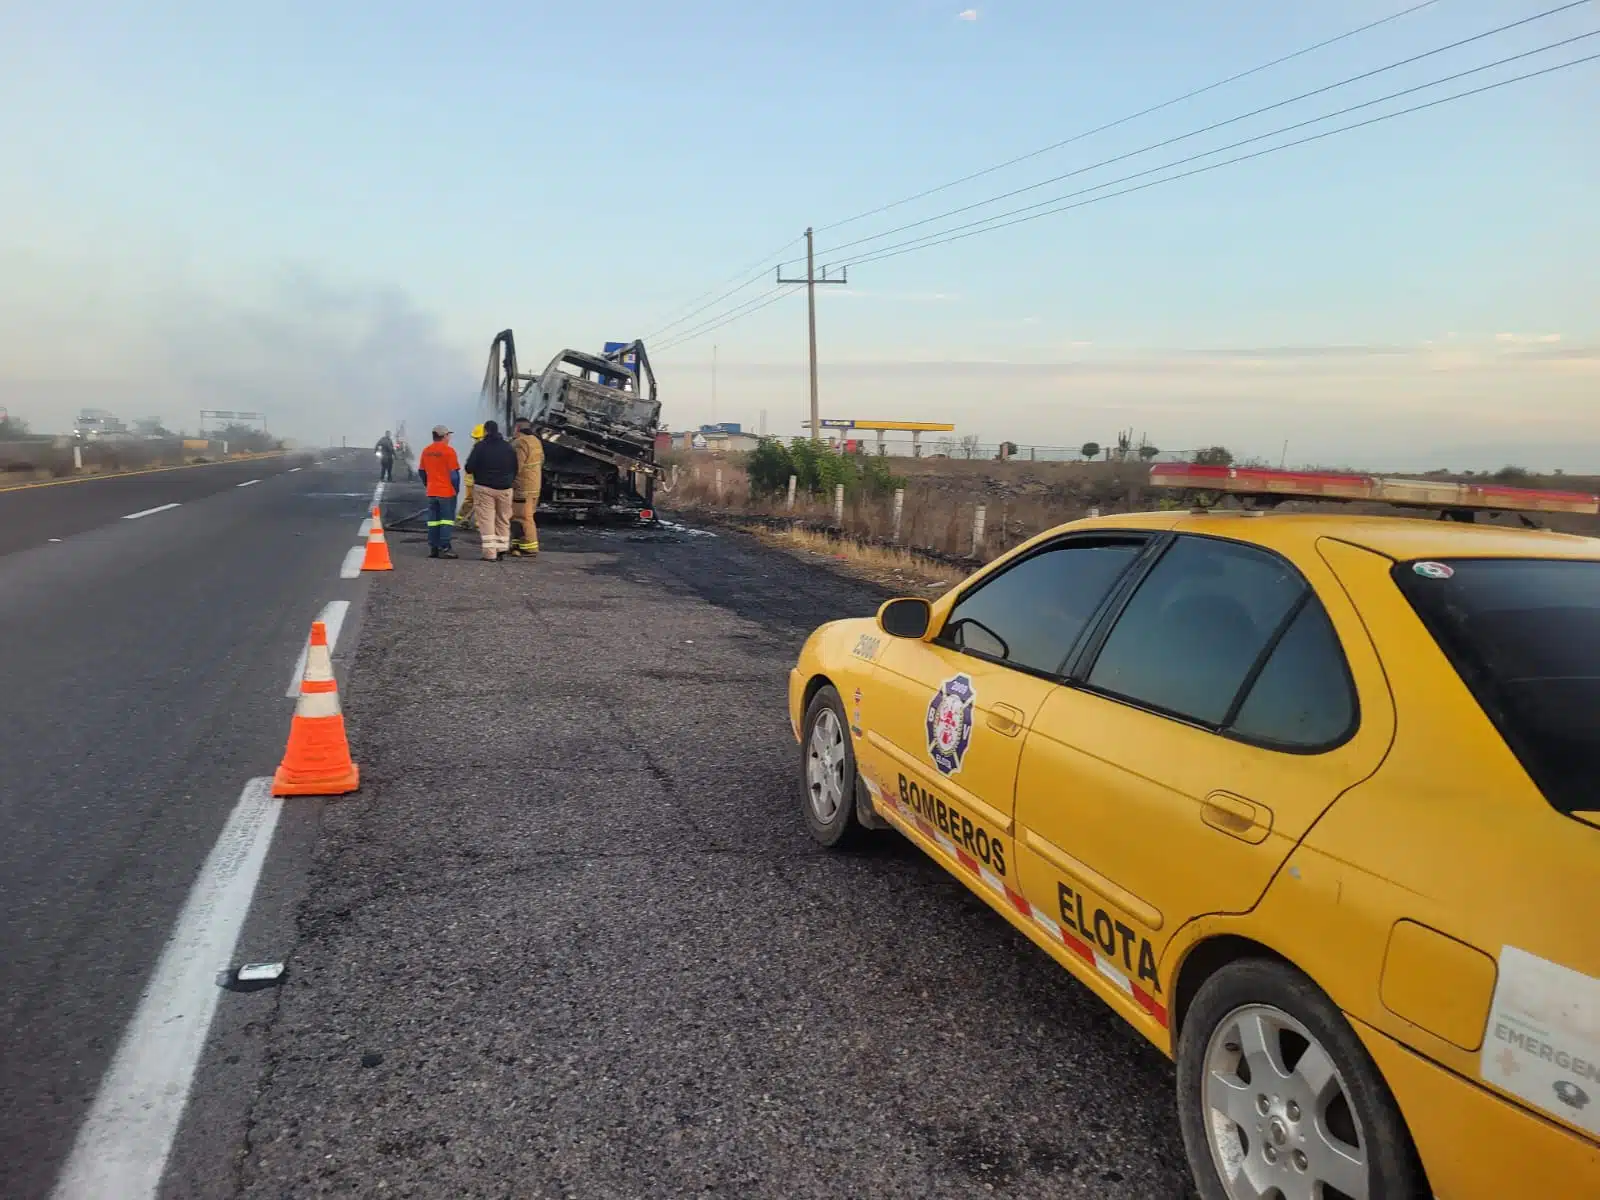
[(977, 530), (719, 485), (77, 458), (838, 505), (792, 482), (899, 509)]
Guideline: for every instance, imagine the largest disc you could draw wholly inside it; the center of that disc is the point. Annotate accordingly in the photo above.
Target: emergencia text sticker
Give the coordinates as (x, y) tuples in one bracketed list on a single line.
[(950, 723), (1433, 570), (1543, 1037), (867, 646)]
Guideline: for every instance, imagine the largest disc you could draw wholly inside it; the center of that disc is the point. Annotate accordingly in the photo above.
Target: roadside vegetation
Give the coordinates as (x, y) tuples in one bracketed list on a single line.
[(939, 529)]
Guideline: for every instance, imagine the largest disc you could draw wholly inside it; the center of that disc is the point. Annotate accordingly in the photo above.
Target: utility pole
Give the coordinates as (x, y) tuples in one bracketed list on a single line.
[(811, 282), (713, 383)]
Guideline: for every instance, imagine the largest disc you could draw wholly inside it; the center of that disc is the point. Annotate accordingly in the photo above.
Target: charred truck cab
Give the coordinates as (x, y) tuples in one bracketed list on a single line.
[(597, 415)]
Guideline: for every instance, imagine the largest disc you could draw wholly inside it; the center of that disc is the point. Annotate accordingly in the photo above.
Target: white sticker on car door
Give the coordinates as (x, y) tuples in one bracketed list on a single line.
[(1543, 1038)]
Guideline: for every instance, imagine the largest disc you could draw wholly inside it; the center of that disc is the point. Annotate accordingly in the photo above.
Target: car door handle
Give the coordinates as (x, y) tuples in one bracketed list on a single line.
[(1237, 817), (1002, 718)]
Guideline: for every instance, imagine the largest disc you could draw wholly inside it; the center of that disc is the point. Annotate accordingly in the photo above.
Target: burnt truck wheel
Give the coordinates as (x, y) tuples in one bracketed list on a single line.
[(1278, 1097), (828, 772)]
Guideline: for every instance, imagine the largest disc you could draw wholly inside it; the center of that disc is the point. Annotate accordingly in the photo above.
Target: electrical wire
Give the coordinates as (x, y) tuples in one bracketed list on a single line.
[(765, 262), (1144, 112), (1154, 108), (944, 237), (997, 222), (1167, 166), (727, 317), (1415, 58)]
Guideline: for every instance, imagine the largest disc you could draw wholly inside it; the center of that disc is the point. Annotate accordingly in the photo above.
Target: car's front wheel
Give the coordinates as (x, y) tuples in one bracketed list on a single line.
[(828, 771), (1278, 1098)]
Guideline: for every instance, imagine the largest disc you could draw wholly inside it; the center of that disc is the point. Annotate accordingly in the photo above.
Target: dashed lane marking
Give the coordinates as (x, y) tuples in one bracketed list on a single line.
[(366, 527), (124, 1143), (292, 470), (351, 568), (247, 483), (149, 512), (332, 616)]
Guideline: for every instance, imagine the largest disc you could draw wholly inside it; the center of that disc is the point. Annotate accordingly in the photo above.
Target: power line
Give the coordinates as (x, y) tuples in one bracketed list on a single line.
[(999, 221), (1167, 166), (1105, 162), (746, 282), (764, 262), (994, 223), (728, 316), (1144, 112)]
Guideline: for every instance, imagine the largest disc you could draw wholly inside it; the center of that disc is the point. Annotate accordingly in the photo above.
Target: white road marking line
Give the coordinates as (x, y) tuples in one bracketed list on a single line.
[(247, 483), (332, 615), (366, 527), (124, 1142), (149, 511), (292, 470), (351, 569)]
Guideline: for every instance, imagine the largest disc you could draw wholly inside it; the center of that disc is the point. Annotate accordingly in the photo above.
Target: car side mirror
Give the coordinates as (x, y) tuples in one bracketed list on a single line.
[(907, 617)]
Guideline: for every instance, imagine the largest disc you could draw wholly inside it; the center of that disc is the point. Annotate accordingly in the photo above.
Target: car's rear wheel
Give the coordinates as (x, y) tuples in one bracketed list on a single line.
[(828, 771), (1278, 1099)]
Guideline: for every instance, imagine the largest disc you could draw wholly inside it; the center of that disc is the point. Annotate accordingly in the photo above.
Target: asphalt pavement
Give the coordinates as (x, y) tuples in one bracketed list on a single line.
[(147, 662), (38, 514), (571, 939)]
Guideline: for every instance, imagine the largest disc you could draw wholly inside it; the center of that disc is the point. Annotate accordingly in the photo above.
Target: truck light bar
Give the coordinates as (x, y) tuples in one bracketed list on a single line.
[(1414, 493)]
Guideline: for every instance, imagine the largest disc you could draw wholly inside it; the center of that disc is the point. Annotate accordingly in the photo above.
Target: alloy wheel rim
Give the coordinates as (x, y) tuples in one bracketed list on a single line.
[(1278, 1114), (825, 766)]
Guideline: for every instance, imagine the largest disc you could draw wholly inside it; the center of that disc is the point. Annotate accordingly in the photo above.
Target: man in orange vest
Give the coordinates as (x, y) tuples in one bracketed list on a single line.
[(441, 472)]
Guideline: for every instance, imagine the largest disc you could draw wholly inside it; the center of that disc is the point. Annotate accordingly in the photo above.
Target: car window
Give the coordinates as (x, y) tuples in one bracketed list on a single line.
[(1524, 634), (1190, 636), (1031, 614), (1303, 696)]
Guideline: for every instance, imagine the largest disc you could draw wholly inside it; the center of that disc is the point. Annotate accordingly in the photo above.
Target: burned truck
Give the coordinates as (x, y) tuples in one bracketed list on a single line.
[(597, 415)]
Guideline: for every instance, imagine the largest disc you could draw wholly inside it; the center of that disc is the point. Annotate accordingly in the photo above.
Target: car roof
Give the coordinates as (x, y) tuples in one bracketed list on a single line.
[(1399, 538)]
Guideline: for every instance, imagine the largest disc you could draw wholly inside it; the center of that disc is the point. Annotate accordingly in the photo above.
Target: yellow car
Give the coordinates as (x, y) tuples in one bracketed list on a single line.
[(1312, 801)]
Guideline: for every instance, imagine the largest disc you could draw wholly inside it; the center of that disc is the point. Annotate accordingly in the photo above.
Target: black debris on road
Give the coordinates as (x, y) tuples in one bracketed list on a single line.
[(571, 938)]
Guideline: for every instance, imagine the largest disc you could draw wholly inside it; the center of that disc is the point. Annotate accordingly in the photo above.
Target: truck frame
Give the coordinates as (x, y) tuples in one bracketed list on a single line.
[(597, 415)]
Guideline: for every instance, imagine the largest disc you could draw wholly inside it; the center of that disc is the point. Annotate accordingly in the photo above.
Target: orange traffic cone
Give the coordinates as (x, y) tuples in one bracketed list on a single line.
[(377, 558), (317, 761), (377, 517)]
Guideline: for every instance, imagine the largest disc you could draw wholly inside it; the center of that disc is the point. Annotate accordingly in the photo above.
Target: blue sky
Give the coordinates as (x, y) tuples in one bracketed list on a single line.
[(331, 210)]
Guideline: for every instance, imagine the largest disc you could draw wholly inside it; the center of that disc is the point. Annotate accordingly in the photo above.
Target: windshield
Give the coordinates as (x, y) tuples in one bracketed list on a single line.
[(1524, 634)]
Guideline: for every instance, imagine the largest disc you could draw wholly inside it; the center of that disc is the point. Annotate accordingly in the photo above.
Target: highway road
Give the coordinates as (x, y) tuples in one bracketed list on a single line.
[(147, 654)]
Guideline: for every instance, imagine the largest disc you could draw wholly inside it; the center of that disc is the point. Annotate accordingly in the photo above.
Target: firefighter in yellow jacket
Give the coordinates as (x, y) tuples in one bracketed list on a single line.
[(464, 512), (525, 497)]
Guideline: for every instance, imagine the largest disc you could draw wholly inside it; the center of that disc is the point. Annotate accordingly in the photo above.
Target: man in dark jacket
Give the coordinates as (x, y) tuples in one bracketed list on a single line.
[(385, 448), (493, 467)]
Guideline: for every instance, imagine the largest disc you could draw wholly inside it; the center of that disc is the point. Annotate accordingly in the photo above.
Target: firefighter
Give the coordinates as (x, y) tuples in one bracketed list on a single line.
[(530, 475), (464, 513)]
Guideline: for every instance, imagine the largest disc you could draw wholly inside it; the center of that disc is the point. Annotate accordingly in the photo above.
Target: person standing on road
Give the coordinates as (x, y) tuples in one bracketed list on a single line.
[(464, 510), (441, 472), (385, 448), (525, 497), (493, 467)]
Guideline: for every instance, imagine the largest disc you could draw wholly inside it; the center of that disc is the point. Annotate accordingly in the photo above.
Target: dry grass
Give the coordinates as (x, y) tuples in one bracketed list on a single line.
[(939, 511), (898, 570), (1020, 499)]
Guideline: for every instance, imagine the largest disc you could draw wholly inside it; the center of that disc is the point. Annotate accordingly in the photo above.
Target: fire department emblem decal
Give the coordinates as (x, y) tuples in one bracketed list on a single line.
[(950, 723)]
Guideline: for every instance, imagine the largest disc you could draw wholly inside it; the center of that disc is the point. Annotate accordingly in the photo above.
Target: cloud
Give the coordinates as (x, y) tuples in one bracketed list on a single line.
[(970, 14), (1527, 339)]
